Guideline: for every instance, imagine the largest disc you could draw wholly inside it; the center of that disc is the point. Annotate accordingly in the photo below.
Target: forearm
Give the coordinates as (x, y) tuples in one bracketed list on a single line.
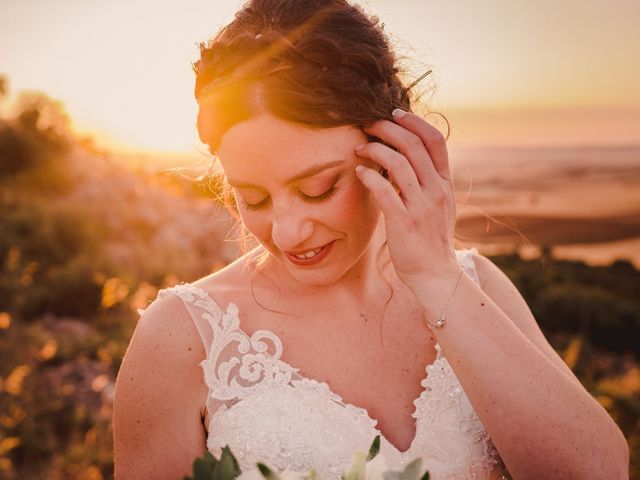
[(543, 423)]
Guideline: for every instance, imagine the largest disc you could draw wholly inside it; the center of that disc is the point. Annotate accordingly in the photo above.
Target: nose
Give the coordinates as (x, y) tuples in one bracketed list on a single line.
[(291, 227)]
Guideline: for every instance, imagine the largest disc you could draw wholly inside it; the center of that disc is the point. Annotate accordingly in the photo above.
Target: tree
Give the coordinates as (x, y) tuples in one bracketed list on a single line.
[(37, 133)]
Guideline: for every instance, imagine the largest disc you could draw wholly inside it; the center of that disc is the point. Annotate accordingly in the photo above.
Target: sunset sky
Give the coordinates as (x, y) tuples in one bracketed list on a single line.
[(507, 72)]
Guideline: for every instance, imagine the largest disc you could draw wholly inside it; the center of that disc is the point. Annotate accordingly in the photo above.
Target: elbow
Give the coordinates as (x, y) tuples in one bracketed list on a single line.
[(619, 456), (606, 456), (611, 463), (624, 458), (609, 455)]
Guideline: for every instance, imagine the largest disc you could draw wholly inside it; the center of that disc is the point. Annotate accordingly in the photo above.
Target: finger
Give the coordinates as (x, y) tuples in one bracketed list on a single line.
[(400, 171), (430, 136), (408, 144), (382, 191)]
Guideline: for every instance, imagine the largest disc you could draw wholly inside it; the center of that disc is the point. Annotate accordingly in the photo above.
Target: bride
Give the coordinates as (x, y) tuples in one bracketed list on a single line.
[(355, 316)]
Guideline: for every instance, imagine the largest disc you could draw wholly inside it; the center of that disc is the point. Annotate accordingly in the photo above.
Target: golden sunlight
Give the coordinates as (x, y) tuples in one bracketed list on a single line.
[(131, 86)]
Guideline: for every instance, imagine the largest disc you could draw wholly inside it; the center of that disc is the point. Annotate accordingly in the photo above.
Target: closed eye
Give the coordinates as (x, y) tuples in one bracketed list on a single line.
[(255, 206), (319, 198), (307, 198)]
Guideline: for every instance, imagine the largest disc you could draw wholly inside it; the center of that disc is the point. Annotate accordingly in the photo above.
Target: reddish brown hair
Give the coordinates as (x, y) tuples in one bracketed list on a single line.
[(321, 63)]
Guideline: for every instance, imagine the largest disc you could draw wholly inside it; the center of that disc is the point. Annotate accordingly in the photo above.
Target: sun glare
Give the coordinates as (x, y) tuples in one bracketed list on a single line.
[(123, 69)]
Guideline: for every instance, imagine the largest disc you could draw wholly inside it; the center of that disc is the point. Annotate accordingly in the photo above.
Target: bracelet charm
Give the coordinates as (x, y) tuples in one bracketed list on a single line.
[(442, 320)]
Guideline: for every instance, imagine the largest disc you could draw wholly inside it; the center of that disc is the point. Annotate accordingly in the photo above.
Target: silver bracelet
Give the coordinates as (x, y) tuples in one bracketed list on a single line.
[(441, 321)]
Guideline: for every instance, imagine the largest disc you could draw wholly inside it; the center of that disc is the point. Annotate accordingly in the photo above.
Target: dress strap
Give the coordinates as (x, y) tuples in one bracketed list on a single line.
[(236, 364), (209, 320), (204, 312), (465, 259)]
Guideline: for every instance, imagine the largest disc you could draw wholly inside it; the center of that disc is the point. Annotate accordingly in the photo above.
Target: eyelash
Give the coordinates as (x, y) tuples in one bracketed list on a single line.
[(315, 199)]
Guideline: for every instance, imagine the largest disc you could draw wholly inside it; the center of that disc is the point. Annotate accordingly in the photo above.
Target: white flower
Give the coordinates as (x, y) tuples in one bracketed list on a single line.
[(360, 469), (375, 468), (255, 474)]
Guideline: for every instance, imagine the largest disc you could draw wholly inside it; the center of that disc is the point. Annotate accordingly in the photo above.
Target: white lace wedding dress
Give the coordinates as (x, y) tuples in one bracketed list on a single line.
[(266, 411)]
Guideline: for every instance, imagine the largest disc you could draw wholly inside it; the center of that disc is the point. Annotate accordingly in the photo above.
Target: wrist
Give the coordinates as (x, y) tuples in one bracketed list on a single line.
[(435, 282), (436, 294)]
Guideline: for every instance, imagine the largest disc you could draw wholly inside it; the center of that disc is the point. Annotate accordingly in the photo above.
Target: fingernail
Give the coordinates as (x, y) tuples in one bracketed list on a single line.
[(398, 113), (359, 168), (359, 147)]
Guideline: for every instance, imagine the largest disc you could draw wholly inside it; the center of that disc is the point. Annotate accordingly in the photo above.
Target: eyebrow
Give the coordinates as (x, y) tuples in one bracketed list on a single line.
[(309, 172)]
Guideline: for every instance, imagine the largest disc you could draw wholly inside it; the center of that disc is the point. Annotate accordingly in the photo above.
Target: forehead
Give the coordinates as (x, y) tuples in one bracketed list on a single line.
[(266, 145)]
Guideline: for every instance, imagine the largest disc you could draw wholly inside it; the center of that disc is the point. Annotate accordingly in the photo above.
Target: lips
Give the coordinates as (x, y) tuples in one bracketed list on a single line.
[(309, 257)]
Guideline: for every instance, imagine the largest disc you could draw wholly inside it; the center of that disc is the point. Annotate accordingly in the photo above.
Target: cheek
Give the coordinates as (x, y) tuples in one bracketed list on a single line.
[(256, 224), (357, 207)]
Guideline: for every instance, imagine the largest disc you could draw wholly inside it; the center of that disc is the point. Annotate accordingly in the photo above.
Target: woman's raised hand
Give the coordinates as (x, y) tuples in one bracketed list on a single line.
[(420, 211)]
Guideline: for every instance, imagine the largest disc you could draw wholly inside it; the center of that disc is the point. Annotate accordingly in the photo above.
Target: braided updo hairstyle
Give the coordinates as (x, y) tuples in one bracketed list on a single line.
[(320, 63)]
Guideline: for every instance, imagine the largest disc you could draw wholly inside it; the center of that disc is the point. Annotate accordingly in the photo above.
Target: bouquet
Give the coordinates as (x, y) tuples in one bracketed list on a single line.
[(364, 466)]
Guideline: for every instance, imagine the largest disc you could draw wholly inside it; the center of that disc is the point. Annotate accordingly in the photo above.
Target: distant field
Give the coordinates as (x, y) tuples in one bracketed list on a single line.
[(598, 240), (583, 202)]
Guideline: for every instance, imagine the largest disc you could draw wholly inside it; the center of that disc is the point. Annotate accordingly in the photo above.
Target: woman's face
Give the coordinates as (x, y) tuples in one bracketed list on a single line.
[(297, 193)]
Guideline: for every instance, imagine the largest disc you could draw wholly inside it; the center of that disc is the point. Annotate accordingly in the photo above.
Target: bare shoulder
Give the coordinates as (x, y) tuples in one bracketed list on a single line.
[(166, 326), (159, 395), (497, 285)]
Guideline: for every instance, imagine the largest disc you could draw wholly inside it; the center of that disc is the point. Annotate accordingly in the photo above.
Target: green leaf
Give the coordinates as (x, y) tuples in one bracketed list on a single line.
[(228, 465), (225, 469), (267, 472), (374, 449), (202, 469), (209, 459)]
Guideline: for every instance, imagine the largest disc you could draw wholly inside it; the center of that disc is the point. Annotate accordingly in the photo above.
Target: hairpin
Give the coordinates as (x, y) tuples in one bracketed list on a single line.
[(419, 79)]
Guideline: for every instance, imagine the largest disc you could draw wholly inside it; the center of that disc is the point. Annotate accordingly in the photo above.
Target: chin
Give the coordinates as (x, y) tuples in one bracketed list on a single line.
[(326, 275)]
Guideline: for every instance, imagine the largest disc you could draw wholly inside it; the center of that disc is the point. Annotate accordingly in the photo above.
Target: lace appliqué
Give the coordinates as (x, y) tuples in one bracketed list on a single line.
[(292, 426), (455, 442), (256, 369)]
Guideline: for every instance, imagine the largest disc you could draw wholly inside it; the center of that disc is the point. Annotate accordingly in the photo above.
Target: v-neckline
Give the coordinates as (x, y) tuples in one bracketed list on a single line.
[(326, 386), (363, 410)]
